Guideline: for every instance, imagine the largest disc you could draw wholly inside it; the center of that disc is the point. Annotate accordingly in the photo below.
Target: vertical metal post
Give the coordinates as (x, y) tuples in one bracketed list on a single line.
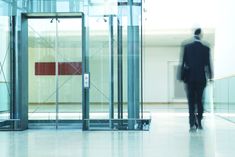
[(57, 74), (133, 67), (85, 69), (120, 71), (111, 79), (21, 82), (130, 79), (12, 66), (16, 50), (141, 60), (130, 68), (136, 68)]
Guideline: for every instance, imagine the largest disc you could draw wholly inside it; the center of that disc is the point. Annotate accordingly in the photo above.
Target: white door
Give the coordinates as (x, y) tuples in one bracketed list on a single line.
[(176, 91)]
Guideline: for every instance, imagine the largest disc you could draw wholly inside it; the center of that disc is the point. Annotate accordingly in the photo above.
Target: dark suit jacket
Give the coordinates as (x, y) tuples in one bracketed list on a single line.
[(196, 66)]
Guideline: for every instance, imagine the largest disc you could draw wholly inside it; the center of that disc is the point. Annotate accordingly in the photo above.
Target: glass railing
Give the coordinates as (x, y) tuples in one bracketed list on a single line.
[(208, 98), (222, 97)]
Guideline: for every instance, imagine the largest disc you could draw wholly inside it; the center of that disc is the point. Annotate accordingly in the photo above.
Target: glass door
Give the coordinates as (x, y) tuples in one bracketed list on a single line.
[(41, 69), (55, 70), (103, 70), (69, 55)]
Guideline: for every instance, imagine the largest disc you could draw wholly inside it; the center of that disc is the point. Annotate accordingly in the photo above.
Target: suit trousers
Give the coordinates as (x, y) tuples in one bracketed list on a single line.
[(194, 95)]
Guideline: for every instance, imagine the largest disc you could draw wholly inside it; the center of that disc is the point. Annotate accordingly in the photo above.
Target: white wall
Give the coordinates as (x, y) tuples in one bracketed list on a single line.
[(156, 61), (155, 64), (159, 50), (225, 39)]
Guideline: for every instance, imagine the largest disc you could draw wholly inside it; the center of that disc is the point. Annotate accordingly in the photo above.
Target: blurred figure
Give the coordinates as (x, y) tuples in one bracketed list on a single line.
[(195, 70)]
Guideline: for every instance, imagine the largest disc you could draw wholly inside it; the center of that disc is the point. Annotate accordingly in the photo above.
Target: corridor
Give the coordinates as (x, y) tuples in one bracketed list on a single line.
[(169, 136)]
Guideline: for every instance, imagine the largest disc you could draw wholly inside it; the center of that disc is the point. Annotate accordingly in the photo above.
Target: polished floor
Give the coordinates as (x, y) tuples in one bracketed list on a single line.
[(169, 136), (97, 111)]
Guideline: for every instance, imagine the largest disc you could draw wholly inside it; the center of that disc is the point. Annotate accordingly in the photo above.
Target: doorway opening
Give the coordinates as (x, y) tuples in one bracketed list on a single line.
[(55, 70), (74, 73)]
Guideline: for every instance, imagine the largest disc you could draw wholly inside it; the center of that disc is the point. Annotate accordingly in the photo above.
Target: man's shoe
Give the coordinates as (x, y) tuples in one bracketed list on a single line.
[(193, 129), (200, 127)]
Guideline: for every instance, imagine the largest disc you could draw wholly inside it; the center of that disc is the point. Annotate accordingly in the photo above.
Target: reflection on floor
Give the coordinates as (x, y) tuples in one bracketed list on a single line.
[(169, 136), (97, 111), (4, 116), (78, 116)]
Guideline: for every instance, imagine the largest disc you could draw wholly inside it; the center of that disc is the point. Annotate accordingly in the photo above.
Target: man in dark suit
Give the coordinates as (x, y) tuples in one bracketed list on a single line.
[(195, 70)]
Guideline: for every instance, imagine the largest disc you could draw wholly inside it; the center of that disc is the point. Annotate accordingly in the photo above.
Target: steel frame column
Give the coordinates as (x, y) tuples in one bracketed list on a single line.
[(120, 72), (111, 72), (130, 72), (130, 78), (141, 62), (21, 73), (136, 69), (12, 66), (57, 73), (85, 69), (133, 53)]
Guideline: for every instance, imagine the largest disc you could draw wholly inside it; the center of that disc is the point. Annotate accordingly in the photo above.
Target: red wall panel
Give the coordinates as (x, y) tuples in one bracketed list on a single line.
[(65, 68), (45, 68)]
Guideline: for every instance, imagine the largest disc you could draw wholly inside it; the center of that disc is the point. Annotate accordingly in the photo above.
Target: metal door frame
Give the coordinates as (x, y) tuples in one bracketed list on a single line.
[(21, 70)]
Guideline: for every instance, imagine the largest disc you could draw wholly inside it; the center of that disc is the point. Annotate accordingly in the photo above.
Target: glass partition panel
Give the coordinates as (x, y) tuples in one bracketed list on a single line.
[(70, 68), (224, 101), (41, 69), (5, 68), (232, 99), (221, 96), (99, 67), (101, 43), (115, 66), (208, 98)]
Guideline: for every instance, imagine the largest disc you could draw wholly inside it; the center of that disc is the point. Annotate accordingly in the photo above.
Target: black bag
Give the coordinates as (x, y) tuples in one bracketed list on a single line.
[(185, 73)]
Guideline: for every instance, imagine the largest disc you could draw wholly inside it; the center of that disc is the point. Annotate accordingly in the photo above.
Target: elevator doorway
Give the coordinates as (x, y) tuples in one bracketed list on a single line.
[(75, 73), (55, 70), (61, 92)]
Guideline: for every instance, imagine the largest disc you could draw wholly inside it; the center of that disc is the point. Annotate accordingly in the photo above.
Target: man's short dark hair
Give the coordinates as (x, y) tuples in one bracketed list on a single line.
[(197, 31)]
